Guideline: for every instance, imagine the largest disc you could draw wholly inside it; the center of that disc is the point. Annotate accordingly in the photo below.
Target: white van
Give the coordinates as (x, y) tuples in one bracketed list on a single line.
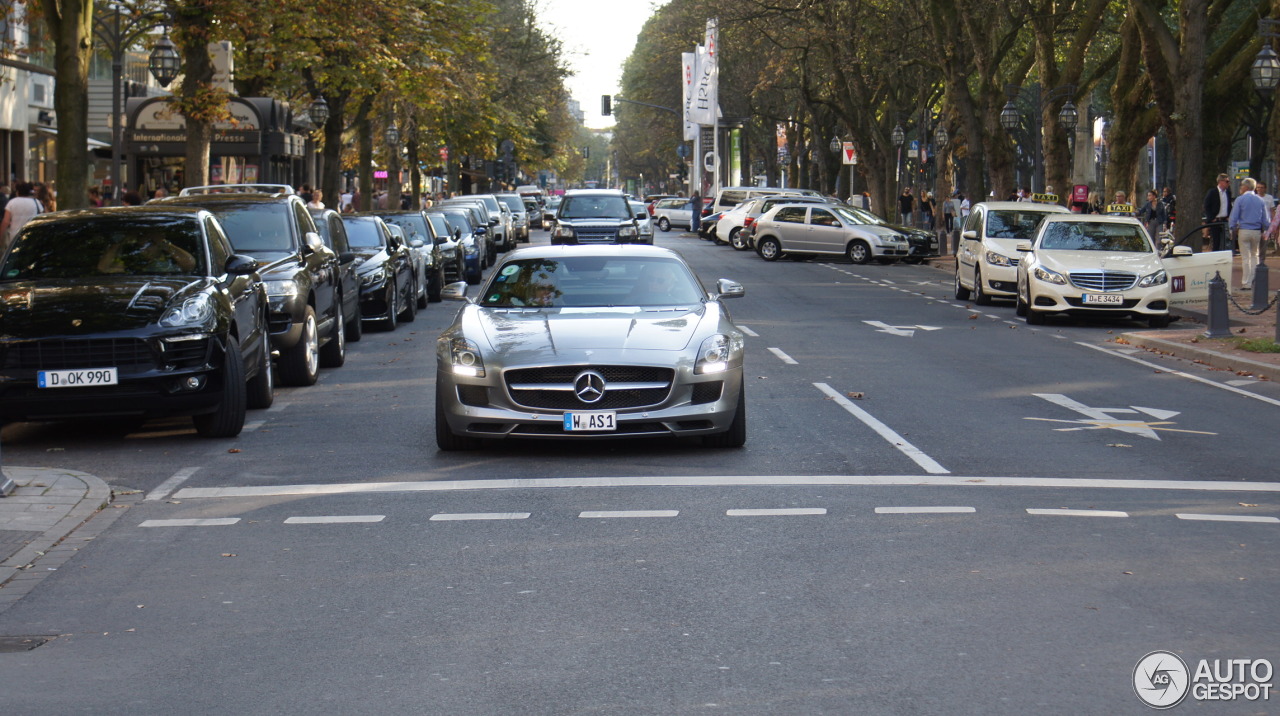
[(730, 196)]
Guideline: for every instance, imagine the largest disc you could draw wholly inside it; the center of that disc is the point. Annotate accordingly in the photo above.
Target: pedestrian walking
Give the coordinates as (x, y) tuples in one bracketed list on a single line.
[(906, 207), (964, 208), (1170, 206), (44, 194), (1217, 207), (926, 210), (1152, 215), (695, 213), (20, 209), (949, 213), (1249, 218), (1269, 200)]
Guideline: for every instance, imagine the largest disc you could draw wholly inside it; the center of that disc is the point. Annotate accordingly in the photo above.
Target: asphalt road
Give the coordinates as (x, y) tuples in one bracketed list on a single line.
[(939, 510)]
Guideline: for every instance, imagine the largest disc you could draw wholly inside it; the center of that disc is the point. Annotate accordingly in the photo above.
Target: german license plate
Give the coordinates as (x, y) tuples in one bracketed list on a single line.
[(582, 422), (1103, 299), (76, 378)]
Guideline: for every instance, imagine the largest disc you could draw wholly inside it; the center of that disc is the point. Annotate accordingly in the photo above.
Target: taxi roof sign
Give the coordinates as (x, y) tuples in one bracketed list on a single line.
[(1045, 198), (1119, 208)]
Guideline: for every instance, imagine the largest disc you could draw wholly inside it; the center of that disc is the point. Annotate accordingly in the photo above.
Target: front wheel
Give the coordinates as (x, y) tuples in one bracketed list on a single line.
[(736, 435), (1161, 321), (664, 224), (962, 293), (435, 286), (393, 307), (261, 391), (355, 329), (980, 296), (1021, 307), (227, 419), (334, 353), (769, 249), (859, 252), (300, 365), (738, 241), (410, 310)]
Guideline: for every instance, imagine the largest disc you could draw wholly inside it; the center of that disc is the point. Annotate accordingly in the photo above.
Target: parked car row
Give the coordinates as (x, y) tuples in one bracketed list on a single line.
[(179, 307)]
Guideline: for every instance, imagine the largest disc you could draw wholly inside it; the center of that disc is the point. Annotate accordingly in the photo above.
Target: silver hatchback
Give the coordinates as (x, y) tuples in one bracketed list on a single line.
[(589, 342)]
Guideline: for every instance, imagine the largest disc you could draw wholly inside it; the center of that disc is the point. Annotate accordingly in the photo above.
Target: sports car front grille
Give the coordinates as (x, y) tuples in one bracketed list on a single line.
[(1103, 280), (122, 353), (626, 387)]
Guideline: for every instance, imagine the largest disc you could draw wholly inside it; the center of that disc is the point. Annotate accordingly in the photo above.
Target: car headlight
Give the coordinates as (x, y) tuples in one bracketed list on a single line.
[(562, 232), (1158, 278), (996, 259), (718, 353), (374, 277), (464, 356), (470, 250), (627, 232), (281, 288), (1048, 276), (194, 311)]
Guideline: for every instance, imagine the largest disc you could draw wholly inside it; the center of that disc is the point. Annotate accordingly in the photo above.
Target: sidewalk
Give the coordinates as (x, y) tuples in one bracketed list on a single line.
[(1185, 337), (47, 506)]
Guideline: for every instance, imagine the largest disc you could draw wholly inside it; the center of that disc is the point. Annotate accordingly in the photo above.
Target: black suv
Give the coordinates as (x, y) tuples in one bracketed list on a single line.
[(595, 216), (300, 273)]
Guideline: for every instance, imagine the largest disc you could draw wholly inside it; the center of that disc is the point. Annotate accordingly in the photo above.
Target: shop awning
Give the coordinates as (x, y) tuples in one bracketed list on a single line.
[(93, 143)]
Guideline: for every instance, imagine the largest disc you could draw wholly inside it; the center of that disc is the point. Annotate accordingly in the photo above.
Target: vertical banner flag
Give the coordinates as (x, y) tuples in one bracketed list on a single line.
[(689, 61), (706, 84)]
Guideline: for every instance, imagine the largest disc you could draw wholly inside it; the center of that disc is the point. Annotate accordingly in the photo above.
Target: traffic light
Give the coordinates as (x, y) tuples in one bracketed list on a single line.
[(606, 105), (586, 151)]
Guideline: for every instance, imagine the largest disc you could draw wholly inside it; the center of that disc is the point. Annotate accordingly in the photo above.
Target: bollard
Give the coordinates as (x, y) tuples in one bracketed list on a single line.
[(1260, 289), (7, 486), (1219, 323)]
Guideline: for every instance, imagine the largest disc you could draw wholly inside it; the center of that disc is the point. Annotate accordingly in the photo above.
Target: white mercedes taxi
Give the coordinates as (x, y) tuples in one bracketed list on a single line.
[(1093, 265), (987, 258)]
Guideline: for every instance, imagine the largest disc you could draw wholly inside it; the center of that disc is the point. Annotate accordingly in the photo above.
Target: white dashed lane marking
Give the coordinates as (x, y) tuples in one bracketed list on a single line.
[(465, 516), (207, 522), (1228, 518), (334, 519), (931, 510), (1078, 513), (783, 511), (783, 356), (748, 331), (605, 514)]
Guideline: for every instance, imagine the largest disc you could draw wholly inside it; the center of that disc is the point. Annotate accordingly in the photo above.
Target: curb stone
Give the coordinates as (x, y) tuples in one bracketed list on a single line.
[(97, 496)]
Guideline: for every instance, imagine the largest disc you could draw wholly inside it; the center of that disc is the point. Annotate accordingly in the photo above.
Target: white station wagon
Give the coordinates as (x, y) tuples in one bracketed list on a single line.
[(1094, 265)]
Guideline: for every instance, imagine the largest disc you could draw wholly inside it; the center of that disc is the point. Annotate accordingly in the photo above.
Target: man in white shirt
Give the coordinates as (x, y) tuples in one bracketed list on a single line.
[(18, 212)]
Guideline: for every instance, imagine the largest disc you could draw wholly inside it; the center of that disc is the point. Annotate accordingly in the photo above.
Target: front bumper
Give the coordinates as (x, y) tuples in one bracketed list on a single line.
[(1055, 298), (284, 320), (1000, 280), (695, 405)]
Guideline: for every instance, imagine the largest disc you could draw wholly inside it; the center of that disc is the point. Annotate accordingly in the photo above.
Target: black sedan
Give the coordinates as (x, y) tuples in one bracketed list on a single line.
[(132, 312), (385, 269)]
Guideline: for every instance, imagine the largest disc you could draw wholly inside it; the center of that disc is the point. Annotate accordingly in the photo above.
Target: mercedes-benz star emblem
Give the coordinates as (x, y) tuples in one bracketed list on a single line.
[(75, 322), (589, 386)]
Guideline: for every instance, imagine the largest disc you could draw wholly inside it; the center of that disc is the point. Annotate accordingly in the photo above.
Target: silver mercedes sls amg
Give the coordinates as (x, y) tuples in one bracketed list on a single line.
[(589, 342)]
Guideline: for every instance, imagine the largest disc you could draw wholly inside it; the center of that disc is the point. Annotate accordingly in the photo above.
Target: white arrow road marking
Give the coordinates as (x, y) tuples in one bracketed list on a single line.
[(929, 328), (1238, 383), (1102, 418), (891, 330)]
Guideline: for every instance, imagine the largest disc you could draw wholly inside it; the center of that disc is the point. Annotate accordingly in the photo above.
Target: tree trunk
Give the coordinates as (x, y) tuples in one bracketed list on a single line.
[(71, 22), (364, 148), (331, 178), (201, 104), (415, 174), (393, 176)]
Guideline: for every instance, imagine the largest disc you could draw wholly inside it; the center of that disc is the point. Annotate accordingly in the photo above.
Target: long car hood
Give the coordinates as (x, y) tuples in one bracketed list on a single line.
[(369, 259), (32, 309), (535, 335), (1068, 261)]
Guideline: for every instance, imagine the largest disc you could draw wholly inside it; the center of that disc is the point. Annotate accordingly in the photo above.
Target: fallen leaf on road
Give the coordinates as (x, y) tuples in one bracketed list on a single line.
[(1246, 504), (233, 450), (854, 394), (228, 554), (973, 316), (1118, 445)]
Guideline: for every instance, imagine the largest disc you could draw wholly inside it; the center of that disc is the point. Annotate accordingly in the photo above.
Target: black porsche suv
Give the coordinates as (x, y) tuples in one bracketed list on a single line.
[(300, 273)]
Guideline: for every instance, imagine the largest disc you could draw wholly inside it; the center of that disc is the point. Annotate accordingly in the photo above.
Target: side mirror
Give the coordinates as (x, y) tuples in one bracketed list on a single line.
[(456, 291), (417, 243), (641, 216), (241, 265), (493, 221), (1183, 251), (1023, 246), (481, 231), (346, 257), (313, 242), (729, 289), (970, 235)]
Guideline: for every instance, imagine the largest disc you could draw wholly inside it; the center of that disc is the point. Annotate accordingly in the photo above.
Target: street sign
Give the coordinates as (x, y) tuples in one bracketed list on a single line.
[(914, 150), (848, 153), (444, 154)]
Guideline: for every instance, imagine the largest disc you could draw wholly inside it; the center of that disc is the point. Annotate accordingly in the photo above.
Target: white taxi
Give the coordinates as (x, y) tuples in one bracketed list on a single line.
[(1093, 265), (987, 257)]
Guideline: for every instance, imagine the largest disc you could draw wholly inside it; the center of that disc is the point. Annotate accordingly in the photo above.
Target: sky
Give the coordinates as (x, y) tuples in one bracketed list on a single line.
[(597, 37)]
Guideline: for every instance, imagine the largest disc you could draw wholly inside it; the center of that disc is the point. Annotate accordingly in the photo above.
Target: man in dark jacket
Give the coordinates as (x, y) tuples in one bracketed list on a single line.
[(1217, 208)]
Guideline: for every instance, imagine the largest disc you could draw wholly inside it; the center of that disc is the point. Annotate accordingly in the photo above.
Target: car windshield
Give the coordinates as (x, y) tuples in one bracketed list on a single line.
[(413, 226), (1082, 236), (255, 228), (458, 222), (853, 216), (515, 203), (101, 246), (592, 281), (363, 234), (596, 206), (1013, 224)]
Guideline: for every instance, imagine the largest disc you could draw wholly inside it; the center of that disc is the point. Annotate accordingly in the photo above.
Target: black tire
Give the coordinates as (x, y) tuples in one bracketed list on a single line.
[(227, 419), (355, 329), (912, 260), (435, 286), (962, 293), (474, 277), (393, 307), (260, 392), (410, 310), (446, 439), (422, 298), (334, 353), (858, 252), (1020, 308), (980, 297), (1162, 321), (736, 240), (664, 224), (300, 365), (1034, 317), (736, 435), (769, 249)]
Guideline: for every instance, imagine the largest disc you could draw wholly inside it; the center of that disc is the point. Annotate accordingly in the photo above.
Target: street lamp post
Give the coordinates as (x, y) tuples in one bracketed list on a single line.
[(897, 136), (1011, 119), (1266, 77), (118, 32)]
